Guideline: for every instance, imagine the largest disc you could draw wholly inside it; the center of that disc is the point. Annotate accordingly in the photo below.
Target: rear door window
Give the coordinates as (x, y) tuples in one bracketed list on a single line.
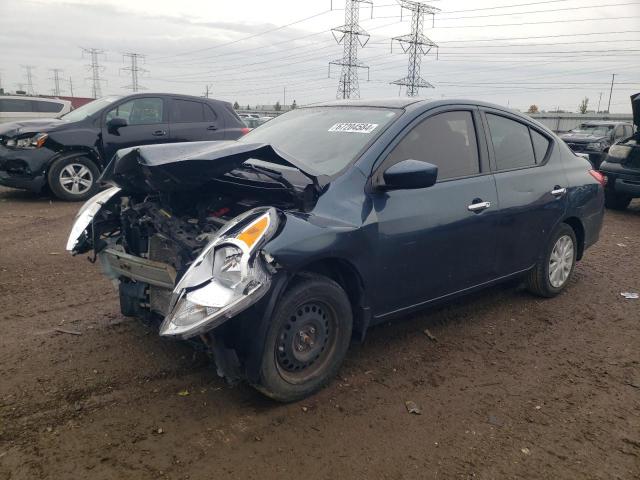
[(447, 140), (512, 144), (48, 107), (187, 111), (540, 145), (15, 105)]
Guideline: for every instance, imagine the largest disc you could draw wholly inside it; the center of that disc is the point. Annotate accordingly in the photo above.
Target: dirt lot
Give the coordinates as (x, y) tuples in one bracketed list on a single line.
[(514, 386)]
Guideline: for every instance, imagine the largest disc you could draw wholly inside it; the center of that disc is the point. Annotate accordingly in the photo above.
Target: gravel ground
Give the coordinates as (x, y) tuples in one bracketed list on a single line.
[(510, 386)]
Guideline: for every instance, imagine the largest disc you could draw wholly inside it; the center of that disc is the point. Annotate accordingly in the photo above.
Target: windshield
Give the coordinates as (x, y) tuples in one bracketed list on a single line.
[(89, 109), (594, 130), (325, 138)]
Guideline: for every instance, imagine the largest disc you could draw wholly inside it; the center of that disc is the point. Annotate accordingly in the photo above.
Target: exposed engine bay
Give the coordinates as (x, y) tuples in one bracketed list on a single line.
[(181, 230)]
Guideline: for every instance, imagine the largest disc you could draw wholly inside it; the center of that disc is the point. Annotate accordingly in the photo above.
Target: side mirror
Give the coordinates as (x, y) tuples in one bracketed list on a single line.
[(115, 123), (409, 174)]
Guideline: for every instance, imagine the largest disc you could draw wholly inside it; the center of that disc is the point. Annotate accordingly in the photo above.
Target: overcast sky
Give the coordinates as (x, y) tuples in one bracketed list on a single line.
[(512, 52)]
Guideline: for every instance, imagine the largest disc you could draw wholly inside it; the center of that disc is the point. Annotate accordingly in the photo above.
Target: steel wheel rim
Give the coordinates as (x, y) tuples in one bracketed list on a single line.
[(561, 261), (306, 341), (76, 178)]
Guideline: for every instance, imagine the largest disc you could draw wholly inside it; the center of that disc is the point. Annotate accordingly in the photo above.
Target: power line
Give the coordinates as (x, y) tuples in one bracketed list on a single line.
[(350, 35), (96, 69), (56, 91), (416, 44), (135, 69)]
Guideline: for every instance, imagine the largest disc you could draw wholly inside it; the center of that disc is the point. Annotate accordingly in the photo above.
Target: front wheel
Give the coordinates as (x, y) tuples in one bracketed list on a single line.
[(73, 178), (615, 201), (555, 266), (307, 340)]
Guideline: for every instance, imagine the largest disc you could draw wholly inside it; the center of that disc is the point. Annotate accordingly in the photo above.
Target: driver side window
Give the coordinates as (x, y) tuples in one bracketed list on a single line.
[(447, 140), (140, 111)]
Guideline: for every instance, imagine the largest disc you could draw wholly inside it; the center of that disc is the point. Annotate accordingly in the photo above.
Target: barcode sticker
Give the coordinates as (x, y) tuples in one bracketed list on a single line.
[(353, 127)]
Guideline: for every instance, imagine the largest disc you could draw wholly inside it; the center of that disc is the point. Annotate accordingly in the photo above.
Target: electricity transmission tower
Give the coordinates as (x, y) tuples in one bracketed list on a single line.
[(28, 74), (416, 44), (134, 58), (351, 35), (96, 81), (56, 82)]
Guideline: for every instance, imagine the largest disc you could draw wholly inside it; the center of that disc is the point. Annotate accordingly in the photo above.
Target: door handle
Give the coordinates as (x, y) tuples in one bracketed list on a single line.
[(212, 127), (478, 206), (159, 133), (558, 191)]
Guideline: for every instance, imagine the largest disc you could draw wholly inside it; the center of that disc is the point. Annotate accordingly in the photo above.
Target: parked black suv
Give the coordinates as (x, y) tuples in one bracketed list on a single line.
[(67, 154), (595, 137), (622, 166)]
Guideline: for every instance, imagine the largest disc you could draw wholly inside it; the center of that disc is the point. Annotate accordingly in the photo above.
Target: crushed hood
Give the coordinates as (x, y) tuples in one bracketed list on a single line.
[(635, 107), (13, 129), (184, 166)]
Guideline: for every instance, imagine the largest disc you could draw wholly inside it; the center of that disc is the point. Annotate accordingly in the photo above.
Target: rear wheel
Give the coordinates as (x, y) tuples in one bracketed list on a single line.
[(307, 341), (73, 178), (554, 268), (615, 201)]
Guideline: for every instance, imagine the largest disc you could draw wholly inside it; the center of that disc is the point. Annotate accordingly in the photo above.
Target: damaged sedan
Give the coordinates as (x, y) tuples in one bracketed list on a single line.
[(275, 251)]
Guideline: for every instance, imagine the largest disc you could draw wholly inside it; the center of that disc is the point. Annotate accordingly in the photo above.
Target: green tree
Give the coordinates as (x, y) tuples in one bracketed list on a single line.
[(236, 106), (533, 109), (584, 105), (277, 107), (294, 105)]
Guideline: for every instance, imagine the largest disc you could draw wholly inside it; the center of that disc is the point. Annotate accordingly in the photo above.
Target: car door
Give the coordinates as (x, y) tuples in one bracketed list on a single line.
[(437, 240), (532, 187), (194, 121), (146, 123)]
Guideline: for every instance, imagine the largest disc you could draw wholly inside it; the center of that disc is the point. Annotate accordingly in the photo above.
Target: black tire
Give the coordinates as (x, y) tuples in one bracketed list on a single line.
[(615, 201), (538, 279), (314, 315), (67, 187)]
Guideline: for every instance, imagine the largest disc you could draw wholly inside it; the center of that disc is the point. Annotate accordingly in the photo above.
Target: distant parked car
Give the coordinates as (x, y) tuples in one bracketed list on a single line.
[(16, 108), (594, 138), (67, 154), (621, 166), (251, 122), (274, 251), (249, 115)]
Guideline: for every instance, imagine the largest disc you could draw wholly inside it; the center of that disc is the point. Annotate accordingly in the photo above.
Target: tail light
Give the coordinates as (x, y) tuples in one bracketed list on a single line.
[(245, 130), (602, 179)]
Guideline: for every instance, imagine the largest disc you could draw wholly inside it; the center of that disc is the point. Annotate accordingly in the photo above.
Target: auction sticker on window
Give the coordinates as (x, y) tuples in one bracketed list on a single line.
[(353, 127)]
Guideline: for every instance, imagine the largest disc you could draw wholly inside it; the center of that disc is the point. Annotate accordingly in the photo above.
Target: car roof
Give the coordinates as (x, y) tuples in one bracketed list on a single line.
[(604, 122), (28, 97), (175, 95)]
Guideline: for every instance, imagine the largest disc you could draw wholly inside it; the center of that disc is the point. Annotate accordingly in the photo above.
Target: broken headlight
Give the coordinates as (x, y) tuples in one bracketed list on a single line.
[(226, 278), (85, 215)]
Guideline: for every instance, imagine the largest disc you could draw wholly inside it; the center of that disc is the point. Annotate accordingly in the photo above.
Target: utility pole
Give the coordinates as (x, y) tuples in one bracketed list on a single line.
[(415, 44), (56, 82), (28, 73), (96, 81), (71, 86), (135, 69), (284, 97), (613, 77), (599, 100), (207, 90), (350, 35)]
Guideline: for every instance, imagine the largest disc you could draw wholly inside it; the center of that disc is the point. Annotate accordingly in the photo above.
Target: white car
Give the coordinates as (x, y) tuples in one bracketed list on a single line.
[(16, 108)]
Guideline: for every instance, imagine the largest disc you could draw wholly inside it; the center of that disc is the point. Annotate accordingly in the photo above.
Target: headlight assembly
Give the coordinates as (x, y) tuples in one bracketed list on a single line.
[(35, 141), (86, 213), (226, 278)]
